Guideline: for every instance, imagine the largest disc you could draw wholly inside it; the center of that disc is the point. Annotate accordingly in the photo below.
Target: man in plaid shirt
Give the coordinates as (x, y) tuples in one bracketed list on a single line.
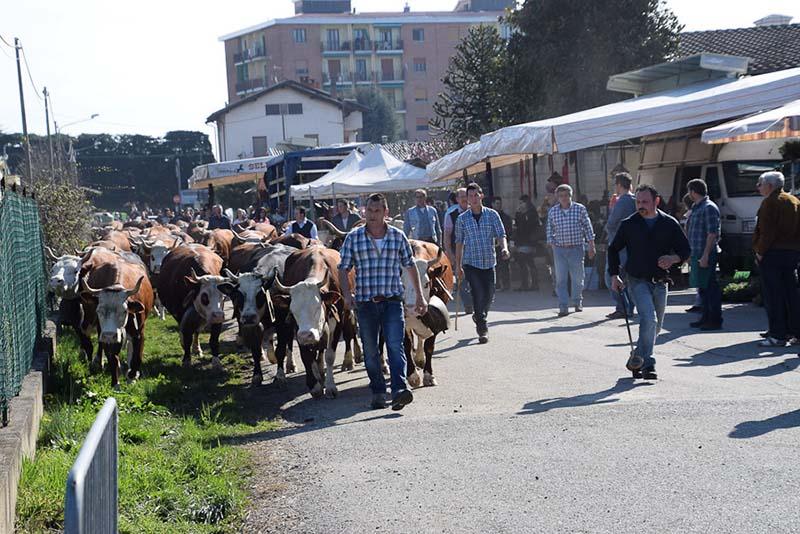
[(378, 252), (569, 230), (703, 233), (476, 230)]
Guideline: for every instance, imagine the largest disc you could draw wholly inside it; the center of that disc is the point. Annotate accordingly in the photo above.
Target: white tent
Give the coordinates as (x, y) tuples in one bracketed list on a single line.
[(692, 105), (775, 124), (230, 172), (376, 172)]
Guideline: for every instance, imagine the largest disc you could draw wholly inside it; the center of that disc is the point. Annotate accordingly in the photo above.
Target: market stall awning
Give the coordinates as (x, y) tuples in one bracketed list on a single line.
[(231, 172), (693, 105), (774, 124), (376, 172)]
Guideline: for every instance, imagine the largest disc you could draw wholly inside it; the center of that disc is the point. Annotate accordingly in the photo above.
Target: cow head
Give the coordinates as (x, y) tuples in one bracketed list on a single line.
[(154, 252), (113, 309), (247, 237), (207, 298), (64, 274), (425, 277), (308, 305), (250, 295)]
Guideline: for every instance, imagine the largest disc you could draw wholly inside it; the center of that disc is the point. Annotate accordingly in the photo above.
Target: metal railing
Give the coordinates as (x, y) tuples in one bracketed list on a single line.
[(23, 288), (335, 46), (250, 85), (90, 505), (248, 54), (389, 46), (395, 75), (342, 77)]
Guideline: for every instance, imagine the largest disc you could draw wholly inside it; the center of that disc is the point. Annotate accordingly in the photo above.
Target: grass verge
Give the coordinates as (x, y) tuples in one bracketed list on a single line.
[(177, 470)]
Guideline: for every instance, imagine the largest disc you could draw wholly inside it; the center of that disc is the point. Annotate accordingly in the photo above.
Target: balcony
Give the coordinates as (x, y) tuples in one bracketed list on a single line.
[(250, 85), (250, 54), (362, 44), (393, 46), (396, 75), (341, 78), (334, 47)]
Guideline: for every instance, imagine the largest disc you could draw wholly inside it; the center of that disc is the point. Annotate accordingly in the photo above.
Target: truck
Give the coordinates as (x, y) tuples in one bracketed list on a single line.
[(670, 160)]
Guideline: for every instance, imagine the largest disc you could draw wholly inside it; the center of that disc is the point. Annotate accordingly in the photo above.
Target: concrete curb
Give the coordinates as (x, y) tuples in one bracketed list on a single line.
[(18, 439)]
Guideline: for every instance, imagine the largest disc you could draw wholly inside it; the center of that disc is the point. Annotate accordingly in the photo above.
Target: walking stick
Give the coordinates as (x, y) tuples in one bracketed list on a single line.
[(458, 294), (635, 362)]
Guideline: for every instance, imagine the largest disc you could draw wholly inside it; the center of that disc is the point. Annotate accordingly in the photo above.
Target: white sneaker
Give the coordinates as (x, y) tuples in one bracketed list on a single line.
[(772, 342)]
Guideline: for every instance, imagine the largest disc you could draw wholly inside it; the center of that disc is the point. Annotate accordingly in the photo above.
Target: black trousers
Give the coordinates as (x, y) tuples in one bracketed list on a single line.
[(527, 270), (503, 270), (782, 298)]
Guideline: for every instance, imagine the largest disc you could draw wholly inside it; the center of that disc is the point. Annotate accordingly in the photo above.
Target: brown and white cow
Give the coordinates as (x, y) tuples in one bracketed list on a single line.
[(116, 297), (433, 269), (317, 314), (221, 242), (188, 286)]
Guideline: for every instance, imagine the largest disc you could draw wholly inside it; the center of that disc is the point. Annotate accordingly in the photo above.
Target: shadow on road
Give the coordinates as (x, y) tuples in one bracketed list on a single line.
[(732, 353), (790, 364), (587, 399), (752, 429)]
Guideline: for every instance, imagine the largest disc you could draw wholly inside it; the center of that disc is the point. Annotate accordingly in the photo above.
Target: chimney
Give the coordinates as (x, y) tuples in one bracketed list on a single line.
[(774, 20), (407, 9)]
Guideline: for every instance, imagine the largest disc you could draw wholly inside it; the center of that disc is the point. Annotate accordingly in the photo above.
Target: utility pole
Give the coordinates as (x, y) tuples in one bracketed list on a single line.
[(49, 139), (25, 138)]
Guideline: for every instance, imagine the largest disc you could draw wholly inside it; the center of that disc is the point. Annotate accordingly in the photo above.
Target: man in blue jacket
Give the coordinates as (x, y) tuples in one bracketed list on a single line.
[(624, 208)]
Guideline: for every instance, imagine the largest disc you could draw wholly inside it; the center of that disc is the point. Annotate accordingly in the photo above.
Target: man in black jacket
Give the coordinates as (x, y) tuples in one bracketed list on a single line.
[(528, 233), (503, 265), (655, 243)]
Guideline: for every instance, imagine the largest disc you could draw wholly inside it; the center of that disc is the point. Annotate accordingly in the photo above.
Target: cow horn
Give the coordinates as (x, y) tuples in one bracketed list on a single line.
[(79, 252), (178, 241), (433, 262), (277, 283), (136, 287), (237, 236), (323, 282), (233, 277), (50, 253), (193, 276), (332, 227), (270, 280), (88, 289)]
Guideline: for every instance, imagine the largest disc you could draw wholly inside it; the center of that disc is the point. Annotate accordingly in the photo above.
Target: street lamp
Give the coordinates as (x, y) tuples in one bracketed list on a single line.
[(93, 116)]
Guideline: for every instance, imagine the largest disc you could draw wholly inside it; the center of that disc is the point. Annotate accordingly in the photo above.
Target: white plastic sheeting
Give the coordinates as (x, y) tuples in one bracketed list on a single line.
[(376, 172), (230, 172), (774, 124), (696, 104)]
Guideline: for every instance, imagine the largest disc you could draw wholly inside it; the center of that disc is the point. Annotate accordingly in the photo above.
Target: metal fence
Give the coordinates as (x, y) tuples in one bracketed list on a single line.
[(23, 291), (90, 505)]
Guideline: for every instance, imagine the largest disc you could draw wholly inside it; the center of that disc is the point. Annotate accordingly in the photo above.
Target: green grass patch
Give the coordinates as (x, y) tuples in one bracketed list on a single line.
[(179, 469)]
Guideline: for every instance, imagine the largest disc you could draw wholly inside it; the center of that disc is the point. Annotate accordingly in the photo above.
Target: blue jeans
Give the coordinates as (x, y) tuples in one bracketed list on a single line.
[(372, 318), (621, 300), (711, 296), (651, 300), (569, 263), (482, 282)]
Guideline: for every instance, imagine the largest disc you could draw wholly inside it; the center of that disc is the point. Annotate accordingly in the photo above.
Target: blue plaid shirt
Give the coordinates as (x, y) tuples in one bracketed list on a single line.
[(569, 227), (477, 237), (377, 272), (704, 220)]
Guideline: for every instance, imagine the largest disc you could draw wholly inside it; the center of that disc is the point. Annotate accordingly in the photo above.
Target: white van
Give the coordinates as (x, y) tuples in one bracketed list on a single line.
[(731, 170)]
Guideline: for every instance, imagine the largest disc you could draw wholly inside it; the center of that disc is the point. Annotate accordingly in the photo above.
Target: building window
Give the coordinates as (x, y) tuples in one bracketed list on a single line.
[(259, 146), (315, 137), (295, 109), (333, 39), (422, 124), (273, 109), (299, 35), (420, 65), (284, 109), (301, 67), (241, 73), (418, 34), (420, 95)]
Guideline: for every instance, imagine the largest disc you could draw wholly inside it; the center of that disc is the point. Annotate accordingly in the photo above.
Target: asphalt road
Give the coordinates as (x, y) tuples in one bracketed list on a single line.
[(543, 430)]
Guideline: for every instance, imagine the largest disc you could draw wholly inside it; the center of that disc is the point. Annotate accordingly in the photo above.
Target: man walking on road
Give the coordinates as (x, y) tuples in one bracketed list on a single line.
[(421, 221), (703, 230), (776, 242), (503, 265), (624, 207), (569, 230), (528, 234), (450, 217), (655, 242), (378, 252), (476, 231), (344, 220)]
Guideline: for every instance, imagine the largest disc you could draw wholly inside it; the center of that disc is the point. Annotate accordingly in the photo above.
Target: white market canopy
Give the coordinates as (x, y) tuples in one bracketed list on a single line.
[(774, 124), (692, 105), (230, 172), (376, 172)]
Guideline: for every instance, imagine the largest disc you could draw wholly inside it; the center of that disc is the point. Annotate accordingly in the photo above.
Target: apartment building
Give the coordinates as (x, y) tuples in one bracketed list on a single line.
[(332, 48)]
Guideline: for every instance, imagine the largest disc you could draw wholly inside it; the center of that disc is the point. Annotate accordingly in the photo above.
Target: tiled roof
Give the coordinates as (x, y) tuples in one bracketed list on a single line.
[(771, 48)]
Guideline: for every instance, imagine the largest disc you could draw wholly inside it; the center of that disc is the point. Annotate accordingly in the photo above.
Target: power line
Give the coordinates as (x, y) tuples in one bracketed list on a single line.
[(30, 76), (6, 42)]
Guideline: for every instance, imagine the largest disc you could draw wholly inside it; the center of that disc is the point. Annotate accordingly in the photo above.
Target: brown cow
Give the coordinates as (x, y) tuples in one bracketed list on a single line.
[(188, 286), (318, 314), (119, 238), (297, 241), (221, 242), (267, 229), (116, 297), (197, 229)]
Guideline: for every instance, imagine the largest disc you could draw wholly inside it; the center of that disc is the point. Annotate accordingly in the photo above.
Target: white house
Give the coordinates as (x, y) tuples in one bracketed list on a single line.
[(288, 112)]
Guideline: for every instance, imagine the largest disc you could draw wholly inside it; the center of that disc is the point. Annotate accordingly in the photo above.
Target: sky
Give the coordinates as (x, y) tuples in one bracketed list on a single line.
[(153, 66)]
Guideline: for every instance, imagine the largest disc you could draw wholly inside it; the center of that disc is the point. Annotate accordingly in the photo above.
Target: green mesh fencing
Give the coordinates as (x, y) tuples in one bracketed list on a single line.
[(22, 291)]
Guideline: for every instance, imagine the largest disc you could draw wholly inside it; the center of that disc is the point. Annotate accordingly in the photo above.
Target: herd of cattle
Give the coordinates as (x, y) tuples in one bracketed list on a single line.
[(283, 288)]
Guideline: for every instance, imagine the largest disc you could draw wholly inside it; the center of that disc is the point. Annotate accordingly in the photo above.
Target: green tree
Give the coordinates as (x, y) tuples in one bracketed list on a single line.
[(563, 51), (380, 118), (473, 100)]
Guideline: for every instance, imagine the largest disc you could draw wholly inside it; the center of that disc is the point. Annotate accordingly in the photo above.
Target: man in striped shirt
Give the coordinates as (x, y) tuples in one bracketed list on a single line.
[(569, 230)]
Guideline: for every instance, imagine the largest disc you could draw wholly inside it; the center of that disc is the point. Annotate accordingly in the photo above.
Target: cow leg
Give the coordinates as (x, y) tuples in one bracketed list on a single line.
[(334, 333), (256, 336), (382, 353), (270, 338), (358, 352), (348, 330), (284, 335), (419, 352), (188, 328), (97, 361), (86, 345), (412, 375), (427, 376), (112, 354), (213, 342), (136, 346), (290, 366), (313, 377)]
